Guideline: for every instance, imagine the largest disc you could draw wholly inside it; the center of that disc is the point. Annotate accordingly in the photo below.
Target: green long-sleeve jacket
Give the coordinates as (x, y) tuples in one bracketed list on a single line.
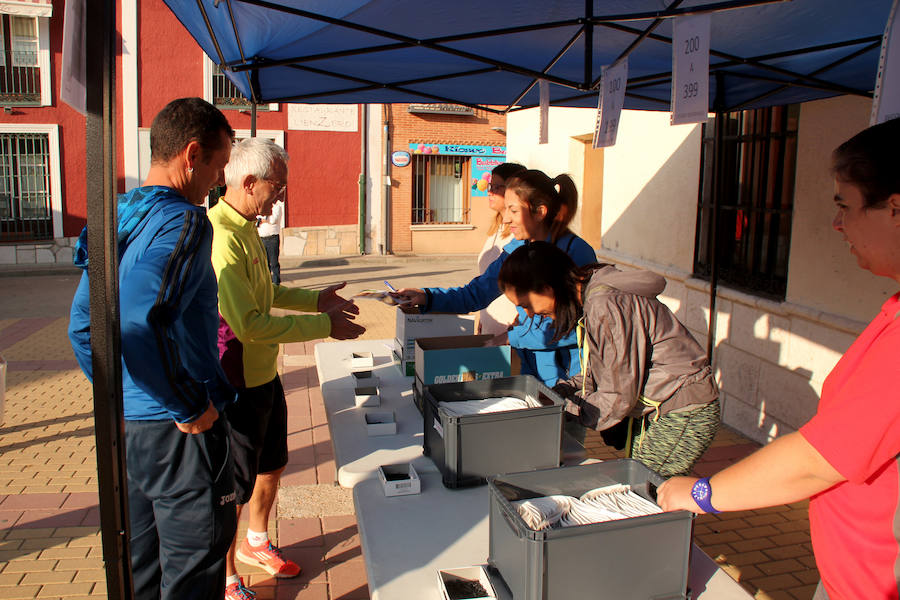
[(249, 334)]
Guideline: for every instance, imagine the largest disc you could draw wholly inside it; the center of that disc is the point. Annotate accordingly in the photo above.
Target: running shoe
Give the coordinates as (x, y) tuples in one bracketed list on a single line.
[(267, 557), (237, 591)]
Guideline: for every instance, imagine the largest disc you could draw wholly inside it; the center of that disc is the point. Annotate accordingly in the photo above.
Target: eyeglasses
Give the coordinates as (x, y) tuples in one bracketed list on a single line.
[(277, 186)]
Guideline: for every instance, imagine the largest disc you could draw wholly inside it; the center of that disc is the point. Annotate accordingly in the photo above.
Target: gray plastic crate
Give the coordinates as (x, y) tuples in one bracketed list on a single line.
[(468, 448), (642, 558)]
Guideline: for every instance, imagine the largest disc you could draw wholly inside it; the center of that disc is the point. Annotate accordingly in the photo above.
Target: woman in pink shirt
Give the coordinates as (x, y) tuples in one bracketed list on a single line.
[(846, 458)]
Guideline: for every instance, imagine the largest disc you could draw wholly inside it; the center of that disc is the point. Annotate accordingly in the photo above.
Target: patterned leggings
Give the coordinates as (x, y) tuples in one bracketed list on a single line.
[(673, 444)]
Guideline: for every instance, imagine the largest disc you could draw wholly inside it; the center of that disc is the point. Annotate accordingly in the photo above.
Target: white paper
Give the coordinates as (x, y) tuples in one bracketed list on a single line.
[(73, 81), (545, 112), (613, 80), (886, 101), (690, 69)]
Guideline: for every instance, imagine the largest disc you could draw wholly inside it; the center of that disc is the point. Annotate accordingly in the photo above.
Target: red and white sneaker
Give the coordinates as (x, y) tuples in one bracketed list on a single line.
[(267, 557), (237, 591)]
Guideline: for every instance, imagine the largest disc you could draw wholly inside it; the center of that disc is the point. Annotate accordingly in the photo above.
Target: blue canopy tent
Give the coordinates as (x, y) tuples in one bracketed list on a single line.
[(764, 52), (480, 54)]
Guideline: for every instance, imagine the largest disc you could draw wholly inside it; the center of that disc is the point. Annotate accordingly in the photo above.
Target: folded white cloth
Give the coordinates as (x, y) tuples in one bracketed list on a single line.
[(599, 505), (484, 405)]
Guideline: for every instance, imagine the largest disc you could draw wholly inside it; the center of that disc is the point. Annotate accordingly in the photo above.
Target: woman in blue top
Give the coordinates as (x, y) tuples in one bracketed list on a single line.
[(538, 208)]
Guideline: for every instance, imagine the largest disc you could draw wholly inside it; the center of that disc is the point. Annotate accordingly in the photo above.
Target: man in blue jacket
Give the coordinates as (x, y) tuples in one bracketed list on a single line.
[(180, 471)]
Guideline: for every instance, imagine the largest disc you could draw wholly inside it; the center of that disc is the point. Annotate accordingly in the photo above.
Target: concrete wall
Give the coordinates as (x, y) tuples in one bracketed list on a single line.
[(823, 273), (649, 176), (650, 189), (564, 151), (335, 240), (48, 252)]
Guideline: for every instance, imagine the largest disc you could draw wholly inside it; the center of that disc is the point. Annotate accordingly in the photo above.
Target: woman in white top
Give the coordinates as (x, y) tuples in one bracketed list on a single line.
[(496, 318)]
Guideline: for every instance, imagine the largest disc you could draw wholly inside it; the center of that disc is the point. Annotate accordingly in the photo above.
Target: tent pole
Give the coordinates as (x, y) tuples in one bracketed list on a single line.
[(386, 197), (103, 270), (588, 42), (363, 176), (718, 184)]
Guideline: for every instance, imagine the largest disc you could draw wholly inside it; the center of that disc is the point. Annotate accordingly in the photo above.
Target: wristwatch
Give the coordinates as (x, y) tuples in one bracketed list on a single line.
[(701, 492)]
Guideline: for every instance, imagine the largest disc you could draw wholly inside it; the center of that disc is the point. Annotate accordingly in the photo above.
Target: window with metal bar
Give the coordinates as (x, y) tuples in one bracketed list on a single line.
[(439, 196), (20, 72), (753, 226), (25, 212), (226, 94)]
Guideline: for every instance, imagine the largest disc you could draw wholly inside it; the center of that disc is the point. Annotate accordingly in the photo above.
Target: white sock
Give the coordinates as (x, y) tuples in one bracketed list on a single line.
[(230, 579), (257, 538)]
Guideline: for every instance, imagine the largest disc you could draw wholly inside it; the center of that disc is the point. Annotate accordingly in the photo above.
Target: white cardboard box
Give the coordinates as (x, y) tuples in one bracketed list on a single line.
[(364, 379), (412, 324), (399, 480), (362, 360), (366, 395), (466, 575), (380, 423)]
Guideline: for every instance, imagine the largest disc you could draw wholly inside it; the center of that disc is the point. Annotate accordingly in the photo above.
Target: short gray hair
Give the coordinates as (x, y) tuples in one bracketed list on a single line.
[(253, 156)]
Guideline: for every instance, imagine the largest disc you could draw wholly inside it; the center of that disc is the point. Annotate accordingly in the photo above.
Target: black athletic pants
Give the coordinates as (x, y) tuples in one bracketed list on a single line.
[(181, 509)]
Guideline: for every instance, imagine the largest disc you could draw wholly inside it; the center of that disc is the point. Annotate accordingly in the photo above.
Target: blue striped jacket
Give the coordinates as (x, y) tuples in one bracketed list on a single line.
[(169, 310)]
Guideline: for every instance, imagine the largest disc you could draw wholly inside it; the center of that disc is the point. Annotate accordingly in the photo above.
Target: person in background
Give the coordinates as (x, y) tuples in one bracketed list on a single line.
[(249, 338), (180, 471), (537, 208), (495, 319), (845, 459), (639, 365), (269, 230)]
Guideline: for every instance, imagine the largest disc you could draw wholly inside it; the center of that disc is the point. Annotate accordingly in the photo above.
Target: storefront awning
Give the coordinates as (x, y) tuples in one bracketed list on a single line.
[(27, 8)]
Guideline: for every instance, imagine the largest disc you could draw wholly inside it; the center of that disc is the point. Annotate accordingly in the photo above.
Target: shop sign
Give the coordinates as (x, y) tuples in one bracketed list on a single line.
[(480, 170), (400, 158), (458, 149)]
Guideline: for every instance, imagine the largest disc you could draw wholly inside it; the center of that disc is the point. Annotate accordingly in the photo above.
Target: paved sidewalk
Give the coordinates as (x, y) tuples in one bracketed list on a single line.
[(49, 519)]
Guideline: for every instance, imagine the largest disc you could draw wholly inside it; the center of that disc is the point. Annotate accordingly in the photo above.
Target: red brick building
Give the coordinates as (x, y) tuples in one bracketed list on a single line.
[(436, 204), (42, 140)]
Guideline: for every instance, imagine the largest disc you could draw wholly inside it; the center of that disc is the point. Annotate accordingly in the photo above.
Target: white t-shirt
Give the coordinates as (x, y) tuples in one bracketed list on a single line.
[(495, 319), (271, 225)]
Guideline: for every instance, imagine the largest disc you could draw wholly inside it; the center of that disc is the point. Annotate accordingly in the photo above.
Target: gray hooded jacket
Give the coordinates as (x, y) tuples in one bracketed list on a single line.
[(636, 351)]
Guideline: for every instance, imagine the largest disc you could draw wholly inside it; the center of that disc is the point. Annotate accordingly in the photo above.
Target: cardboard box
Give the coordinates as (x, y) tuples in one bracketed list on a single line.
[(461, 579), (399, 480), (364, 379), (362, 360), (412, 324), (407, 366), (366, 396), (380, 423), (460, 358), (456, 359)]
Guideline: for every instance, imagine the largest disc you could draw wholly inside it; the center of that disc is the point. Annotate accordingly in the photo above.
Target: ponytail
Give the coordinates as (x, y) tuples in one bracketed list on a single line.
[(568, 204), (559, 195)]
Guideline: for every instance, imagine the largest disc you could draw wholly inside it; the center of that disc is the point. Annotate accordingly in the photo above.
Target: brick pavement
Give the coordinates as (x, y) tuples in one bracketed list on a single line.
[(49, 519)]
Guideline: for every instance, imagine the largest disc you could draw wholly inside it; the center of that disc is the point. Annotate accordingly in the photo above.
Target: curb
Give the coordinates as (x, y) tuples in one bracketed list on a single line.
[(38, 270), (286, 263), (372, 259)]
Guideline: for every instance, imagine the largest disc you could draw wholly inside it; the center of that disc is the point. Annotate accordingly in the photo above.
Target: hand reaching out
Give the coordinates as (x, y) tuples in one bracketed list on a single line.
[(329, 299), (342, 325), (413, 296)]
